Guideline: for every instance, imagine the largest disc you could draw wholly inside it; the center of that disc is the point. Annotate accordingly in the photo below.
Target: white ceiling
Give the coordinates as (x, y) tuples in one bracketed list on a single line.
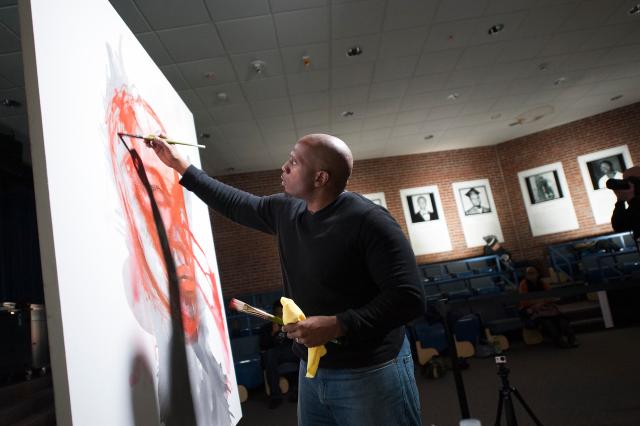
[(416, 55)]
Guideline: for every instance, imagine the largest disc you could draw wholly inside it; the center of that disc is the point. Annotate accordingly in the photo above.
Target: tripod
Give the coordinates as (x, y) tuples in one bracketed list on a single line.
[(504, 397)]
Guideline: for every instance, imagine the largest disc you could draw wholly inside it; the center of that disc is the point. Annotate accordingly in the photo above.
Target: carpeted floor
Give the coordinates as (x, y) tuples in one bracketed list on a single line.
[(595, 384)]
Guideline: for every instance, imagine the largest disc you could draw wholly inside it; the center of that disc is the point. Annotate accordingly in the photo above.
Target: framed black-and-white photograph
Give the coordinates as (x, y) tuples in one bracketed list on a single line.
[(477, 211), (474, 200), (422, 207), (596, 169), (603, 169), (425, 219), (547, 199), (377, 198), (544, 187)]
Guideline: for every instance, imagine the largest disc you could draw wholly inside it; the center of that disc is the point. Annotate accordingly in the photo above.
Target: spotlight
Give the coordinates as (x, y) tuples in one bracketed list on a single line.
[(635, 10), (354, 51), (495, 29), (347, 113)]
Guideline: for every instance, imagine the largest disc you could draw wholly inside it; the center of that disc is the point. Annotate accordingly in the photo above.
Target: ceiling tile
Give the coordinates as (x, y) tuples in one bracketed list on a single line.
[(312, 81), (318, 56), (389, 89), (437, 62), (449, 35), (248, 34), (202, 40), (195, 73), (454, 10), (202, 118), (621, 14), (244, 130), (271, 107), (403, 42), (275, 124), (348, 126), (9, 17), (520, 49), (209, 95), (265, 88), (412, 117), (354, 75), (369, 45), (466, 77), (349, 95), (480, 56), (368, 136), (154, 48), (245, 69), (11, 68), (589, 14), (8, 41), (231, 114), (284, 5), (175, 77), (502, 6), (357, 18), (444, 111), (409, 13), (302, 26), (191, 100), (609, 36), (224, 9), (310, 101), (284, 139), (173, 13), (407, 129), (131, 15), (396, 68), (545, 20), (311, 118), (378, 122), (428, 83), (384, 107), (566, 42), (510, 21)]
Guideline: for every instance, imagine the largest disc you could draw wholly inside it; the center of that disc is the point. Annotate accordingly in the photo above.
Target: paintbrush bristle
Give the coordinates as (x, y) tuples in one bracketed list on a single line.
[(237, 305)]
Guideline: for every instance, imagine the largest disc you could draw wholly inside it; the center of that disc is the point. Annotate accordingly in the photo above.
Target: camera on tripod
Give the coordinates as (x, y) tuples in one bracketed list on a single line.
[(501, 359), (624, 184)]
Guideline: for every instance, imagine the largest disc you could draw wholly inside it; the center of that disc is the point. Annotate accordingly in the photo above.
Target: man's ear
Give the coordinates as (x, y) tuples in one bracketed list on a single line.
[(322, 177)]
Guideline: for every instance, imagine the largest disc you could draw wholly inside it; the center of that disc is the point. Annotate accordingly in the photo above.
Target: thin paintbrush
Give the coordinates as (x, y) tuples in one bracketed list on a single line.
[(151, 137), (240, 306)]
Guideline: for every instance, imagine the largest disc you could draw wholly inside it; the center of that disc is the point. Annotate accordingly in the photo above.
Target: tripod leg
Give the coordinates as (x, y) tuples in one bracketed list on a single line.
[(526, 406), (510, 411), (499, 414)]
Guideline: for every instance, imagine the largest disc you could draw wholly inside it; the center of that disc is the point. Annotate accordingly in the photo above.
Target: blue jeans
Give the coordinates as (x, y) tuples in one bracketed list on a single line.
[(383, 395)]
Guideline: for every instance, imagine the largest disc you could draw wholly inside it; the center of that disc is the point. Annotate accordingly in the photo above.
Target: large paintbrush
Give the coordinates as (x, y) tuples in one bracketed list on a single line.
[(151, 137), (240, 306)]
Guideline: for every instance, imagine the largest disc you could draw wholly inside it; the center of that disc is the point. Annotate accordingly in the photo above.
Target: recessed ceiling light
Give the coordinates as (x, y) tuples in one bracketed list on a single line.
[(635, 10), (616, 97), (543, 66), (496, 116), (453, 96), (222, 96), (347, 113), (354, 51), (495, 29), (10, 103), (210, 75), (426, 138), (560, 81)]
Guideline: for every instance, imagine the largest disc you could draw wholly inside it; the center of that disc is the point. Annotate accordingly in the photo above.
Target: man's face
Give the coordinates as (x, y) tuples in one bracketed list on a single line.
[(298, 172), (605, 168), (475, 199), (422, 203)]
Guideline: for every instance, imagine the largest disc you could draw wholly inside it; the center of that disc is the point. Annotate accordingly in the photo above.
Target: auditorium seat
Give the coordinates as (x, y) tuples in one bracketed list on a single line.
[(483, 285), (247, 362), (455, 289)]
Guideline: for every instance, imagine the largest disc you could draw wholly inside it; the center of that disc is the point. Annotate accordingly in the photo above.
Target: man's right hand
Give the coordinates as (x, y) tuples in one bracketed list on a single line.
[(168, 154)]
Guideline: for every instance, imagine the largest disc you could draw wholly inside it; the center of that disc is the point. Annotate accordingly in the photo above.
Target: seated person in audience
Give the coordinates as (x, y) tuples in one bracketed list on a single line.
[(278, 350), (494, 247), (626, 214), (544, 313)]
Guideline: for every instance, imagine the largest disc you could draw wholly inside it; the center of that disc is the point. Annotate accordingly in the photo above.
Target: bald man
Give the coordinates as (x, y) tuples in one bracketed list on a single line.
[(347, 264), (628, 218)]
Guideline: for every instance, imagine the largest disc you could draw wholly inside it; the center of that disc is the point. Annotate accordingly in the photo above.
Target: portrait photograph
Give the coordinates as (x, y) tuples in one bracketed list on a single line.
[(603, 169), (422, 207), (474, 200), (544, 187)]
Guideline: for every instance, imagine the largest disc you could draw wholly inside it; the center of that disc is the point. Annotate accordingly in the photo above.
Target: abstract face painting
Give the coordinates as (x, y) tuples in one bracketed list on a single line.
[(161, 248)]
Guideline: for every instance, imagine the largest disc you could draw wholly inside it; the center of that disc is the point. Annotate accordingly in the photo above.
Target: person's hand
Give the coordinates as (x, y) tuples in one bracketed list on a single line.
[(168, 154), (625, 194), (314, 331)]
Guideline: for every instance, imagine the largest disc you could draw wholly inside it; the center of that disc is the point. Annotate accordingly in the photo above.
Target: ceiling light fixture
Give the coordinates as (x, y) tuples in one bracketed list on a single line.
[(354, 51), (543, 66), (210, 75), (560, 81), (453, 96), (495, 29), (347, 113), (258, 66), (616, 97), (426, 138), (222, 96), (635, 10)]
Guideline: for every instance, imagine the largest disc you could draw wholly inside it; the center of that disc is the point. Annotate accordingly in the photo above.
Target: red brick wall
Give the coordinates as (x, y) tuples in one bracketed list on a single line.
[(248, 260)]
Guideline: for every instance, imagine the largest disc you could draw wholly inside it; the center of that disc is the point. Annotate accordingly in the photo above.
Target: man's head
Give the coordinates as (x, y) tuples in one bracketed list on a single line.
[(422, 203), (606, 167), (318, 163), (531, 274), (474, 196)]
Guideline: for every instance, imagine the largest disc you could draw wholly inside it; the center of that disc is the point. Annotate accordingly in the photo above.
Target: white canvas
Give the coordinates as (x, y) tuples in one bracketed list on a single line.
[(425, 220), (477, 211), (378, 198), (603, 200), (547, 200), (118, 357)]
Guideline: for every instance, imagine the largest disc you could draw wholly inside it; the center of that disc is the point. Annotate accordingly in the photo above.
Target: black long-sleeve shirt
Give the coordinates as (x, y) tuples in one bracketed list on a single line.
[(349, 259), (627, 219)]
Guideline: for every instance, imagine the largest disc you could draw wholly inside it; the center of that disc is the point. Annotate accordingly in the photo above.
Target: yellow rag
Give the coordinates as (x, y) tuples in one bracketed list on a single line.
[(291, 313)]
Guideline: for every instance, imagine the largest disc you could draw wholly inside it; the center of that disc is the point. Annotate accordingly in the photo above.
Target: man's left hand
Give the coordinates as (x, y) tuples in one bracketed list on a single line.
[(314, 331)]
